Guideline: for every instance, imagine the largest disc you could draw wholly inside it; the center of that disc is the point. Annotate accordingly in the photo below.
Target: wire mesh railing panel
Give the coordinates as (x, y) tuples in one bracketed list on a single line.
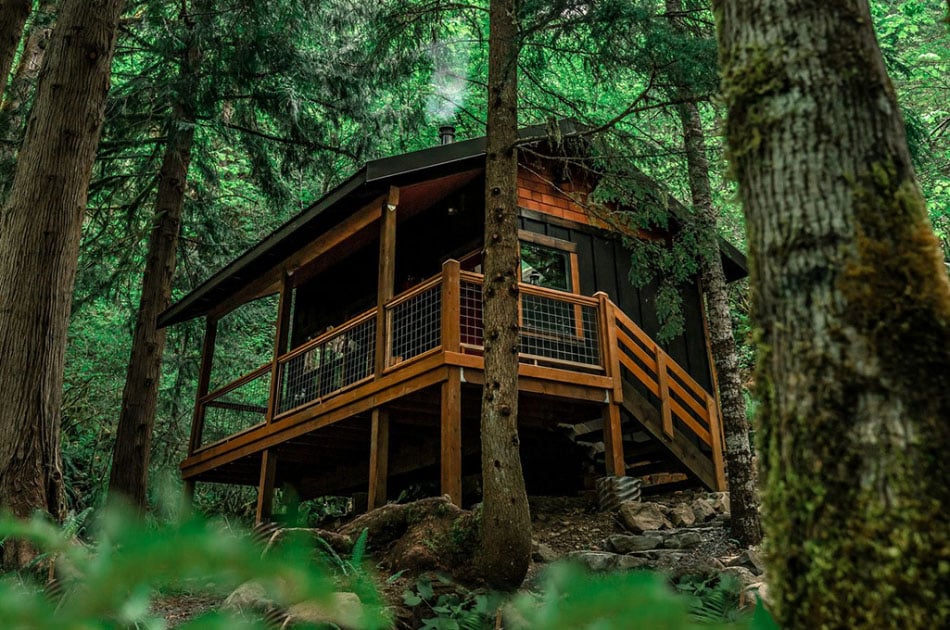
[(241, 408), (470, 312), (339, 361), (559, 330), (415, 325)]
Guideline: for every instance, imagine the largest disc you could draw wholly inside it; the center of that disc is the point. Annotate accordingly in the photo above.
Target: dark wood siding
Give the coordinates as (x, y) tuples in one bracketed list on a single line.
[(604, 265)]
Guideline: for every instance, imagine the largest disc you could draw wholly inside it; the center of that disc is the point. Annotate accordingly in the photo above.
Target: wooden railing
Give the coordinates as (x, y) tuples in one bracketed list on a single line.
[(683, 403), (233, 408)]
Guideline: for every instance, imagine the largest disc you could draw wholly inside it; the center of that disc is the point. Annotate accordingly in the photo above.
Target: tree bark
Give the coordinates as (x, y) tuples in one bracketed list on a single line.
[(39, 248), (852, 307), (743, 492), (133, 441), (13, 16), (506, 524), (17, 95)]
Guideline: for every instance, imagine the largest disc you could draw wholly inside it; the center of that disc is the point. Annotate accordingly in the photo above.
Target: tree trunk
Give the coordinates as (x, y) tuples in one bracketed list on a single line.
[(506, 525), (39, 249), (852, 307), (13, 16), (133, 440), (17, 95), (743, 493)]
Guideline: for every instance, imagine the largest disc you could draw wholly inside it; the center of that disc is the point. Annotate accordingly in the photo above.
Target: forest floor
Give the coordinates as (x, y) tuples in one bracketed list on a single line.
[(561, 527)]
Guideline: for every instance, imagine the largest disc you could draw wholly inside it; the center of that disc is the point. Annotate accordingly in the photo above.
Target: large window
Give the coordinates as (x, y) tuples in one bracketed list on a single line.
[(545, 266)]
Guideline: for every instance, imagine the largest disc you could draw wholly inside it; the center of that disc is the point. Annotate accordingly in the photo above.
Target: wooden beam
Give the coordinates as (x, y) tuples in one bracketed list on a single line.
[(269, 282), (265, 487), (204, 382), (613, 442), (452, 436), (451, 306), (715, 438), (378, 458), (663, 379), (609, 345), (387, 276), (282, 335)]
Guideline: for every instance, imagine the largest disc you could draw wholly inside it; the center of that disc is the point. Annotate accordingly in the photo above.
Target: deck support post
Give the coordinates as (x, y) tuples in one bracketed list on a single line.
[(188, 496), (451, 306), (281, 337), (265, 487), (204, 382), (613, 442), (378, 458), (386, 280), (451, 434)]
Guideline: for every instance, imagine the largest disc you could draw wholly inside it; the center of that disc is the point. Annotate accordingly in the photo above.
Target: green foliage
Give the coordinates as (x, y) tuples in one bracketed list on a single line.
[(712, 600), (573, 598), (113, 582), (457, 609)]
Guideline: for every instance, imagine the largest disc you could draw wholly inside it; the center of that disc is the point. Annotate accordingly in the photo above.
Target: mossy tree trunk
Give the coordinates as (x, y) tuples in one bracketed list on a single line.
[(506, 525), (743, 491), (133, 440), (852, 308), (39, 251)]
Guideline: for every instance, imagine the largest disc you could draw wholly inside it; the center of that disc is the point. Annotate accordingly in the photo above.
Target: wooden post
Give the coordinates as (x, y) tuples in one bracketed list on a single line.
[(378, 458), (663, 379), (609, 346), (387, 276), (265, 487), (451, 307), (715, 439), (613, 442), (188, 496), (452, 436), (204, 381), (281, 337)]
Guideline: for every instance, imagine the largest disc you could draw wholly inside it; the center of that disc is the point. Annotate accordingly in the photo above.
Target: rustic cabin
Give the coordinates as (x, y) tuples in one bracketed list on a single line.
[(374, 385)]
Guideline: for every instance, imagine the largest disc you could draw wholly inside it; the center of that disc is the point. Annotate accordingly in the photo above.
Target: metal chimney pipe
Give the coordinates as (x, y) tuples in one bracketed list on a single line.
[(446, 134)]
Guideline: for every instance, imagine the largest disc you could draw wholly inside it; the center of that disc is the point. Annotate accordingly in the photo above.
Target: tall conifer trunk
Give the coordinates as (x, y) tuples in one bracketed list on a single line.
[(39, 251), (743, 493), (13, 16), (133, 440), (506, 525), (14, 108), (852, 305)]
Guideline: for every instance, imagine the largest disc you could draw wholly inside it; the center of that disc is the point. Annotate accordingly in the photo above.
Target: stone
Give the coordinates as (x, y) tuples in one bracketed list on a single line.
[(623, 543), (642, 517), (248, 596), (742, 575), (750, 559), (749, 597), (720, 502), (544, 553), (681, 515), (703, 509), (632, 563), (344, 610), (682, 540), (595, 560)]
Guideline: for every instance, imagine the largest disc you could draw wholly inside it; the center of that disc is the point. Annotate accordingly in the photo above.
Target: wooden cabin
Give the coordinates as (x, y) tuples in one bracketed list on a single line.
[(375, 380)]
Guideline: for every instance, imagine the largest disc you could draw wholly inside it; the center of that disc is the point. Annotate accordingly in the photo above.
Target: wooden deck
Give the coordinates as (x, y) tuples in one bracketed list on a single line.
[(397, 390)]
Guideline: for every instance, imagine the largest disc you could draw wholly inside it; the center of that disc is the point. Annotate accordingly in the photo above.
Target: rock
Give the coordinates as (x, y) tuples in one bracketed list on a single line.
[(631, 563), (641, 517), (720, 502), (749, 597), (750, 559), (342, 609), (623, 543), (681, 515), (703, 509), (742, 575), (248, 597), (544, 553), (683, 540), (595, 560)]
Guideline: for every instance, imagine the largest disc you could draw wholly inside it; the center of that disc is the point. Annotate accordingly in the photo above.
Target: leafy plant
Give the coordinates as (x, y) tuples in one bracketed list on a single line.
[(458, 609), (112, 582), (712, 600)]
